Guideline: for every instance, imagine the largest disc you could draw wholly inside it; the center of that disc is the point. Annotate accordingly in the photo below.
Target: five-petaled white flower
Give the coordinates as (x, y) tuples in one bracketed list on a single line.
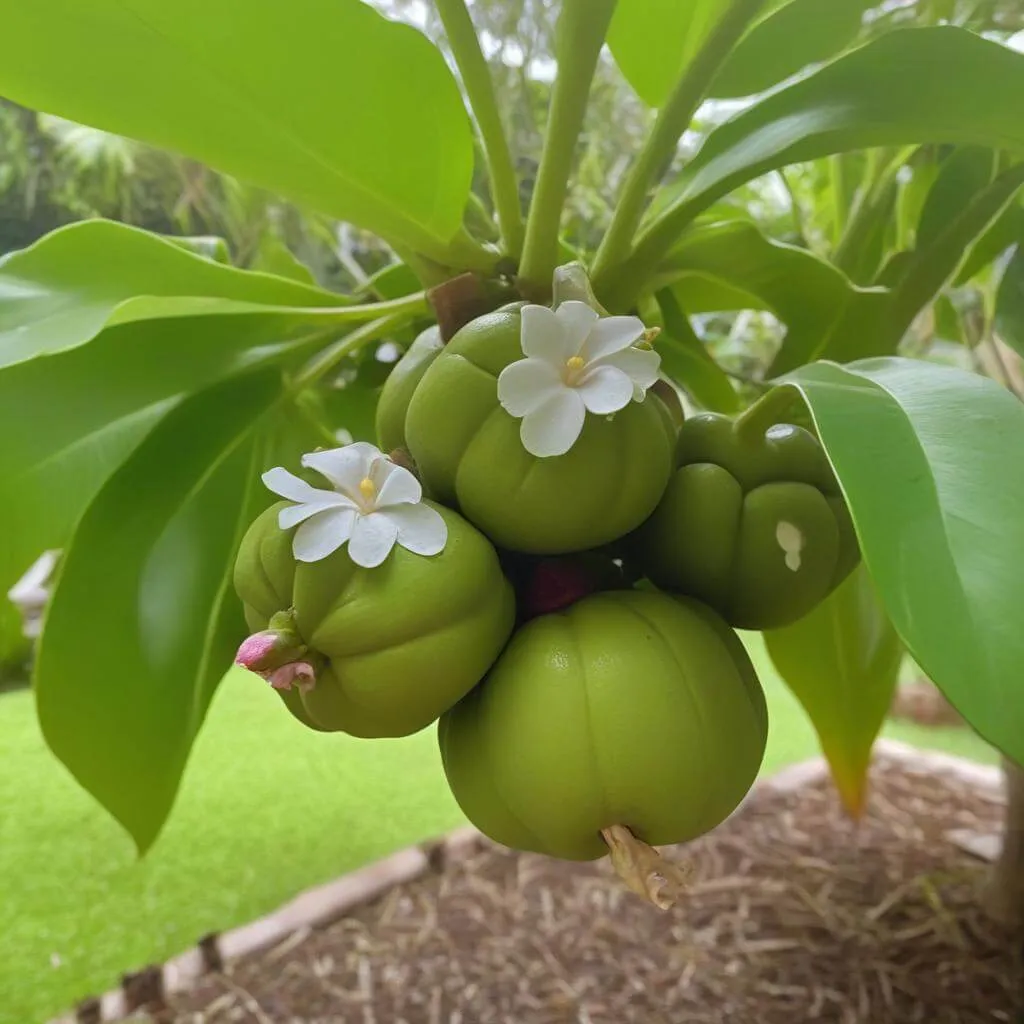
[(576, 362), (374, 504)]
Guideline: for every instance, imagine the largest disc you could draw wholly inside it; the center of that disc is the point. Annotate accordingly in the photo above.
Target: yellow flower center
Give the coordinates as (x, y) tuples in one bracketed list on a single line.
[(575, 363), (367, 488)]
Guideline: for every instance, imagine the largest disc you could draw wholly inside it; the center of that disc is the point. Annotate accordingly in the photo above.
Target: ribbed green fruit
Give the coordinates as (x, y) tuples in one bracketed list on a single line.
[(469, 453), (398, 389), (755, 528), (400, 643), (629, 708)]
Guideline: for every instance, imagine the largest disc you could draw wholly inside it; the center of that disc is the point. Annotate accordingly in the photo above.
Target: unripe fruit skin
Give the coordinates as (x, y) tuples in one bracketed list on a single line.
[(713, 536), (403, 642), (629, 708), (469, 453), (399, 387)]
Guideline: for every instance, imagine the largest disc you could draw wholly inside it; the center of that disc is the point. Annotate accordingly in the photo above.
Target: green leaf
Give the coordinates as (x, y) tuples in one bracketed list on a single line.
[(962, 175), (793, 283), (1009, 318), (784, 42), (67, 287), (100, 400), (933, 266), (948, 325), (857, 323), (274, 257), (1003, 233), (323, 101), (654, 40), (143, 622), (927, 457), (965, 90), (685, 360), (842, 662)]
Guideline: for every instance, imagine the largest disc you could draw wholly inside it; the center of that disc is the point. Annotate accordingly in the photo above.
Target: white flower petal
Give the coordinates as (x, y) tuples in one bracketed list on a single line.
[(372, 539), (344, 467), (523, 385), (640, 365), (289, 486), (541, 335), (323, 534), (553, 427), (421, 529), (605, 389), (295, 514), (395, 484), (612, 334), (577, 320)]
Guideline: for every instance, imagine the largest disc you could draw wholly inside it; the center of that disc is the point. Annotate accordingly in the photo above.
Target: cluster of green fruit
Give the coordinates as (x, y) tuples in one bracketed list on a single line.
[(573, 636)]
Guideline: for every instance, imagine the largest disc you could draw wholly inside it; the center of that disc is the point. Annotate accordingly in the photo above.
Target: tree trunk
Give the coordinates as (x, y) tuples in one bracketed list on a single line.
[(1004, 896)]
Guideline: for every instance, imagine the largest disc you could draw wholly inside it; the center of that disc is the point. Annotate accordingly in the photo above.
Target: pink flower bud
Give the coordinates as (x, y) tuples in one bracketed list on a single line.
[(256, 650)]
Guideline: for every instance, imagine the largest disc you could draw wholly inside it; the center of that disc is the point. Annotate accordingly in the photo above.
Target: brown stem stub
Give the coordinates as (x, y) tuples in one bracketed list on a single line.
[(462, 299), (644, 870)]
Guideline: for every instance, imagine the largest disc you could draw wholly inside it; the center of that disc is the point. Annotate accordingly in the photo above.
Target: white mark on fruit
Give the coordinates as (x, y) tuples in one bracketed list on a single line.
[(791, 540)]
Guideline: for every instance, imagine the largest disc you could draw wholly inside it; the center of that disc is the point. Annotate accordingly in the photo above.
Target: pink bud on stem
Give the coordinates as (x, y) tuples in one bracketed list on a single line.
[(278, 655)]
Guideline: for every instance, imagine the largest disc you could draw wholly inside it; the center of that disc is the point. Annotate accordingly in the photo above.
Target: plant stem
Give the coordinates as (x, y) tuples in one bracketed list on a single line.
[(582, 28), (673, 119), (327, 359), (837, 174), (476, 77), (765, 412), (408, 305)]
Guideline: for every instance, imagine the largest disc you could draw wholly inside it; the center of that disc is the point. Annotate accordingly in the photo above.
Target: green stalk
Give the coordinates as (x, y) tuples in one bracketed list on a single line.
[(476, 77), (582, 28), (327, 359), (673, 119), (768, 410), (837, 175)]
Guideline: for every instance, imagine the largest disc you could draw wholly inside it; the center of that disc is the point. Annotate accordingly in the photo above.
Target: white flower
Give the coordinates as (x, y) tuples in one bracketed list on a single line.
[(374, 504), (576, 362)]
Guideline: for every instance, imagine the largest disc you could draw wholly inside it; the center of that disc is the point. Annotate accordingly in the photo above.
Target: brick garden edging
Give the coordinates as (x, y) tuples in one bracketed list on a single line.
[(326, 903)]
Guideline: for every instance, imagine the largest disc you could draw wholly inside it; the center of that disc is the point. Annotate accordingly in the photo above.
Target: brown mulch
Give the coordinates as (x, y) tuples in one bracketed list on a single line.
[(921, 702), (795, 915)]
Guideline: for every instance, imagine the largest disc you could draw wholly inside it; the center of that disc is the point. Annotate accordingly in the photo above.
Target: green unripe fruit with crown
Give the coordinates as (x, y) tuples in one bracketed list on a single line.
[(470, 453), (393, 646), (752, 523), (629, 708)]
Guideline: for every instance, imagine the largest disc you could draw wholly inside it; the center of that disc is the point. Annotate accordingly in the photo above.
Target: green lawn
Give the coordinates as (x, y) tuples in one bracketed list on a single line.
[(267, 808)]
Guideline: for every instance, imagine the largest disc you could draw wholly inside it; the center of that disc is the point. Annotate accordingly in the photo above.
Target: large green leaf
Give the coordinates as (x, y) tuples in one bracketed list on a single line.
[(964, 90), (68, 420), (323, 101), (654, 40), (686, 361), (962, 175), (143, 623), (1009, 318), (63, 290), (873, 322), (796, 285), (928, 459), (842, 661), (799, 33), (935, 264)]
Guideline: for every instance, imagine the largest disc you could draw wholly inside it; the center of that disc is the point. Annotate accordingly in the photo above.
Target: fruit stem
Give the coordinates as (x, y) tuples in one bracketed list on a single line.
[(582, 26), (479, 86), (764, 413), (644, 870)]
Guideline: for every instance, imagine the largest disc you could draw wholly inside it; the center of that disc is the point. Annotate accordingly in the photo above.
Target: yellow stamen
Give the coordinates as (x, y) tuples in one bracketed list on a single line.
[(367, 488), (574, 363)]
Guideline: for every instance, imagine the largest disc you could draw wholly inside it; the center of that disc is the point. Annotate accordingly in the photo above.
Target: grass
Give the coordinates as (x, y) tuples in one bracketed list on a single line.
[(266, 809)]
